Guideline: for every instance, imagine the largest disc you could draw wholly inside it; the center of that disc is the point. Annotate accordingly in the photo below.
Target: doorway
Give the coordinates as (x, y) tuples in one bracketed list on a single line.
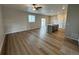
[(43, 22), (43, 28)]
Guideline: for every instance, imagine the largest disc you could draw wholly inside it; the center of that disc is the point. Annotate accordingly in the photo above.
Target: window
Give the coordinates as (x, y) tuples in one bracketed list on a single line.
[(31, 18)]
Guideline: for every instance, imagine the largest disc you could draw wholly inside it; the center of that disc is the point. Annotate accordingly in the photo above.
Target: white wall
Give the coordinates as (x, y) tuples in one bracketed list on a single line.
[(53, 18), (72, 23), (16, 21), (1, 30), (62, 20)]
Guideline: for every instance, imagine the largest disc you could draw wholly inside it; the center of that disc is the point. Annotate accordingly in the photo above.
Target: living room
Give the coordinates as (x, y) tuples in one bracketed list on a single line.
[(29, 29)]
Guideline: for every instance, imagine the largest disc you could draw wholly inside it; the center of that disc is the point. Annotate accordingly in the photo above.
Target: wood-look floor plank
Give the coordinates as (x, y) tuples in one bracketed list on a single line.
[(37, 42), (44, 47), (20, 47), (17, 47), (35, 45), (49, 40), (28, 49), (47, 44), (8, 47)]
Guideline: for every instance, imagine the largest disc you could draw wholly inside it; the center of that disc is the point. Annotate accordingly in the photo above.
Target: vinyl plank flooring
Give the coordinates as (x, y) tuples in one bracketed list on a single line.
[(39, 42)]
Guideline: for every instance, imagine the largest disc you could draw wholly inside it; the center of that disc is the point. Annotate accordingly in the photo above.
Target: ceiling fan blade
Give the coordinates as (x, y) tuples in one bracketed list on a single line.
[(39, 7), (33, 4)]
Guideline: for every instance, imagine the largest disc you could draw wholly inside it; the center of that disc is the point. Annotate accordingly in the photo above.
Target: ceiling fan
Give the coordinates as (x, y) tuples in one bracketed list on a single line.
[(36, 7)]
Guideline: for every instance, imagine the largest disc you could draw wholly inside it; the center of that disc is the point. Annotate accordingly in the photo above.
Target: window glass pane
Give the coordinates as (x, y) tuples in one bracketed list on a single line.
[(31, 18)]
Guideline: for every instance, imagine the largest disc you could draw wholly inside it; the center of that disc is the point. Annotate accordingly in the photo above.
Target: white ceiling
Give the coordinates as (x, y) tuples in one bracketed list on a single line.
[(47, 9)]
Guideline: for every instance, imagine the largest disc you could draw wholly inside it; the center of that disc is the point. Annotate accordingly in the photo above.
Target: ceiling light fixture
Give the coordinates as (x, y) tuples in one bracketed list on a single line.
[(34, 9), (63, 7)]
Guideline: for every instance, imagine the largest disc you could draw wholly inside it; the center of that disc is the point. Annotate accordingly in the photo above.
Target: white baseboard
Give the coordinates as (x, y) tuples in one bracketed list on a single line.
[(19, 31), (71, 38)]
